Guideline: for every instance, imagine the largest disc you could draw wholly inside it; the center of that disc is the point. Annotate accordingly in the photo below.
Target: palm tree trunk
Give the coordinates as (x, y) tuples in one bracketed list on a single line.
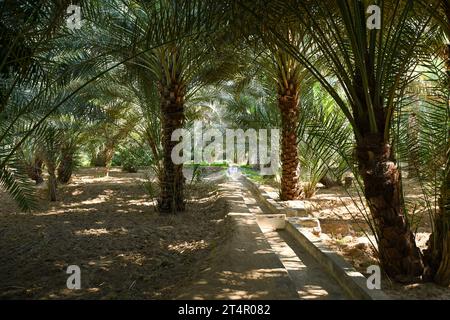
[(397, 249), (35, 170), (437, 255), (288, 105), (98, 160), (52, 181), (172, 184), (109, 154), (104, 158), (66, 165), (442, 242)]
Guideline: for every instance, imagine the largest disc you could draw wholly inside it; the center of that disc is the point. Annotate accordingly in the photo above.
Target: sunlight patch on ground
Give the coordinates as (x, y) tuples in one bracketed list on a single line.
[(100, 231), (104, 264), (255, 274), (140, 202), (64, 211), (312, 292), (109, 180), (188, 246), (100, 199), (92, 232), (77, 192), (135, 258)]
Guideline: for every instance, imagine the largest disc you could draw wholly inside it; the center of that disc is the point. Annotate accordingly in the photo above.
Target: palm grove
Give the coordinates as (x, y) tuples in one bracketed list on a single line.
[(374, 101)]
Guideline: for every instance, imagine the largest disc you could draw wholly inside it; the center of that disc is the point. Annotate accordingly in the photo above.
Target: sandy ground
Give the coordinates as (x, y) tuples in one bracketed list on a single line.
[(342, 219), (108, 227)]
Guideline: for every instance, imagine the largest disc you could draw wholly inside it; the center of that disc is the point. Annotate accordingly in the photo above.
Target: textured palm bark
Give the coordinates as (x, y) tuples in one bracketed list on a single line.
[(288, 105), (109, 154), (104, 157), (65, 167), (398, 252), (437, 255), (52, 181), (99, 159), (34, 171), (172, 182)]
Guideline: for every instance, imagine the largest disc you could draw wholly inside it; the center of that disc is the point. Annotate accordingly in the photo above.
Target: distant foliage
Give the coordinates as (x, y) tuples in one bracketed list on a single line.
[(131, 158)]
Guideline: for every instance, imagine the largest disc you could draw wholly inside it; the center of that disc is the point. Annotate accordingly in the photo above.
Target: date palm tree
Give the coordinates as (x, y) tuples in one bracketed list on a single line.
[(433, 144), (25, 32), (289, 76), (286, 77), (370, 66), (186, 61), (31, 31)]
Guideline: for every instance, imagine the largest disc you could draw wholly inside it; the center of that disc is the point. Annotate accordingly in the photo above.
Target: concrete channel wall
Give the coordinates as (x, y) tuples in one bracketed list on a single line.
[(306, 231)]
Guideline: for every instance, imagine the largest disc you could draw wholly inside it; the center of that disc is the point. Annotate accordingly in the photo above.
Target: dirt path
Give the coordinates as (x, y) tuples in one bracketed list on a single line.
[(259, 264), (244, 266)]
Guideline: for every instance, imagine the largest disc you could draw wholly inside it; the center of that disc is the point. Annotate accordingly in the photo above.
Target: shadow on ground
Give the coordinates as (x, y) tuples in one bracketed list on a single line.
[(108, 227)]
